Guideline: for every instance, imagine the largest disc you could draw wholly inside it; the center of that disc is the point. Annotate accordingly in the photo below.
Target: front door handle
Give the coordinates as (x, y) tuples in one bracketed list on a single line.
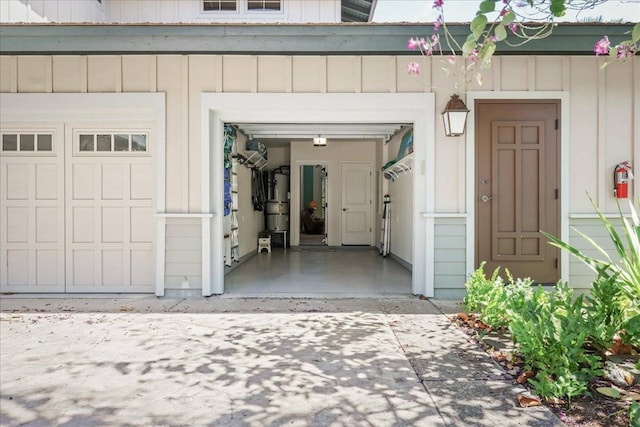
[(486, 198)]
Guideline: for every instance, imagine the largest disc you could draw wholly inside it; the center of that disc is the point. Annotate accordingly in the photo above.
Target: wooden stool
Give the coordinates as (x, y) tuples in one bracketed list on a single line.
[(264, 243)]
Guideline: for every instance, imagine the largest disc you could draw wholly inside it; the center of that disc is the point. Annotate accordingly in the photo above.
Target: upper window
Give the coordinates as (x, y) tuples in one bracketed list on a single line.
[(263, 5), (112, 143), (27, 142), (219, 5)]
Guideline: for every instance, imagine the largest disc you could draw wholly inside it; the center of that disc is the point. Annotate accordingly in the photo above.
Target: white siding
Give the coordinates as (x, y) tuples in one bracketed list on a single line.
[(42, 11), (183, 266), (190, 11), (450, 257), (604, 124)]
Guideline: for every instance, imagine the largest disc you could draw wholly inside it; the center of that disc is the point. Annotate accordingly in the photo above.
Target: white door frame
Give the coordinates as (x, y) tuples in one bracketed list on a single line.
[(564, 168), (415, 108)]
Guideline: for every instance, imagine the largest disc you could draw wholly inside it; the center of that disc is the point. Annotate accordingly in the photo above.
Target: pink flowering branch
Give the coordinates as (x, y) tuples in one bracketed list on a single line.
[(622, 51), (508, 19)]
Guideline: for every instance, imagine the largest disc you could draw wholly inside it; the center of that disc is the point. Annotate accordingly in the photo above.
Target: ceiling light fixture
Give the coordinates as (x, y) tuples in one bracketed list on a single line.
[(319, 141)]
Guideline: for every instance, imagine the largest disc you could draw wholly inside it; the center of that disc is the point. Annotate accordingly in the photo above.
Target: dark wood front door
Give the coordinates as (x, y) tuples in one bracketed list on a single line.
[(517, 187)]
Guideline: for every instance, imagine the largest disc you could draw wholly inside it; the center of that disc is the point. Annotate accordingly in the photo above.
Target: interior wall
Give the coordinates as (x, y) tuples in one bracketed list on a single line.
[(333, 154), (401, 194), (250, 222), (278, 156)]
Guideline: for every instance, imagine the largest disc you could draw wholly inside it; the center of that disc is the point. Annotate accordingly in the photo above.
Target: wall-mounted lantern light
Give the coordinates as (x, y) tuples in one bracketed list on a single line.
[(319, 141), (455, 116)]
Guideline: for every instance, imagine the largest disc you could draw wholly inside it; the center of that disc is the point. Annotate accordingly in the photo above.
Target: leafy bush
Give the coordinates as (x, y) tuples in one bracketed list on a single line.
[(634, 414), (614, 304), (494, 299), (550, 333), (625, 272)]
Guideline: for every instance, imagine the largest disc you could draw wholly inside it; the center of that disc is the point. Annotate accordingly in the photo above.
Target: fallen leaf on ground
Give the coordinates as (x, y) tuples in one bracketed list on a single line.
[(609, 392), (463, 316), (527, 401), (523, 377), (126, 308)]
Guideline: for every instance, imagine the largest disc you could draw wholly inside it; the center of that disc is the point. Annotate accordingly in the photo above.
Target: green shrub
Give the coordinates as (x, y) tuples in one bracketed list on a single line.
[(494, 299), (550, 332)]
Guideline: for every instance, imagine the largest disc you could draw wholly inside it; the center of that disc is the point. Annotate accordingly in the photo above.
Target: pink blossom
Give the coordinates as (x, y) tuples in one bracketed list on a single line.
[(438, 23), (513, 27), (437, 3), (624, 51), (503, 12), (413, 68), (435, 41), (413, 44), (602, 46), (473, 56)]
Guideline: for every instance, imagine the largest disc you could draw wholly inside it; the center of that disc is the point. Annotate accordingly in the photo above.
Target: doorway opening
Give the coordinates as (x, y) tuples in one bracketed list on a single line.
[(313, 195), (308, 114)]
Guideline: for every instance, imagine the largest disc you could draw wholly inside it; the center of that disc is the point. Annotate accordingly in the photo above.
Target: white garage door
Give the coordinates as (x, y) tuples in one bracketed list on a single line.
[(32, 210), (78, 218)]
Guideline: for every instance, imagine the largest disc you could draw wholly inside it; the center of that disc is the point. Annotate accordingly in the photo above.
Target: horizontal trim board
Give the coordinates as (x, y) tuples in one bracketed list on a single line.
[(270, 39)]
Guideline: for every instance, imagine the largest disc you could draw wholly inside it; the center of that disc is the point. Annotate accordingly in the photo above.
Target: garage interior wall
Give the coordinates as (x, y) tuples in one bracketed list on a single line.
[(333, 155), (603, 117), (400, 191)]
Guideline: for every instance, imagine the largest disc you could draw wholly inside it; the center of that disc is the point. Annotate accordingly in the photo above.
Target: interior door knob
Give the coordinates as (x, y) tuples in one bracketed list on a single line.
[(486, 198), (345, 209)]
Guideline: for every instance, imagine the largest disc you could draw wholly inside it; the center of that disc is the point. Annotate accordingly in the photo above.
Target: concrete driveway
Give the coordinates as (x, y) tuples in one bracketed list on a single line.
[(247, 362)]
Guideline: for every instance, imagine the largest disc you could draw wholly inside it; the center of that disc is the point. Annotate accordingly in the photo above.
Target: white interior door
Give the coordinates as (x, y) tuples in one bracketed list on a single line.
[(31, 210), (357, 203)]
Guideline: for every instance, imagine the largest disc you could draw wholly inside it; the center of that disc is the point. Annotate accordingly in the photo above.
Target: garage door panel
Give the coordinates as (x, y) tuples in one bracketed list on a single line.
[(112, 224), (142, 267), (112, 182), (141, 182), (48, 268), (18, 181), (47, 230), (31, 208), (142, 230), (110, 192), (83, 268), (83, 224), (18, 267), (83, 179), (17, 224), (113, 268), (47, 182)]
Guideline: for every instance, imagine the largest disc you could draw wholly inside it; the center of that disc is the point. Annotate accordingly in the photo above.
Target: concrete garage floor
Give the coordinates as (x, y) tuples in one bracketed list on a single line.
[(314, 271)]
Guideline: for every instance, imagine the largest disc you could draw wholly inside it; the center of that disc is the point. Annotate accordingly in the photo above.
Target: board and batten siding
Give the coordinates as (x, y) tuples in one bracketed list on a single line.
[(162, 11), (43, 11), (604, 106)]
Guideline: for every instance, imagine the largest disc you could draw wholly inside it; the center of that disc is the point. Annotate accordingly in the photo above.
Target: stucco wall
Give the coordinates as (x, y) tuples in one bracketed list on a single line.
[(604, 106)]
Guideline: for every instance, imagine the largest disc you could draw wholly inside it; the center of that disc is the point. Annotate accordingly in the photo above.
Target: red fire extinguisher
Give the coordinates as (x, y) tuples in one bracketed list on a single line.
[(621, 177)]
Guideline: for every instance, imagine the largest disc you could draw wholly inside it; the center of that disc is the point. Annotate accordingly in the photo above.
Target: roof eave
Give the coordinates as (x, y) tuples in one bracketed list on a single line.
[(269, 39)]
